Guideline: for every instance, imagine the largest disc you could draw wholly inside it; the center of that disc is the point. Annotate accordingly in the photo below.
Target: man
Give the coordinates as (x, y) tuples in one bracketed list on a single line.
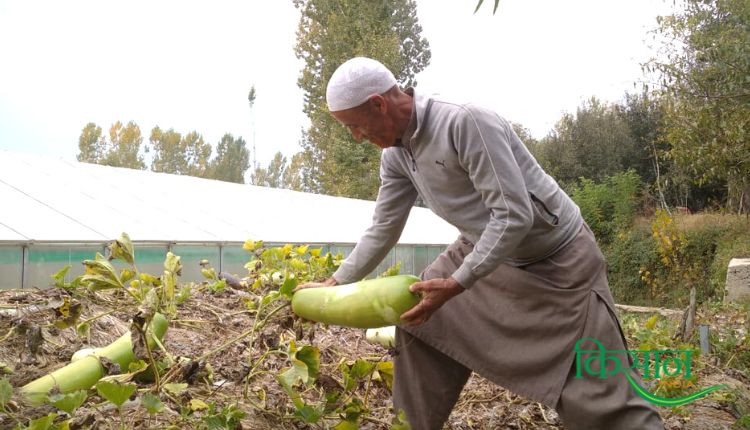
[(512, 296)]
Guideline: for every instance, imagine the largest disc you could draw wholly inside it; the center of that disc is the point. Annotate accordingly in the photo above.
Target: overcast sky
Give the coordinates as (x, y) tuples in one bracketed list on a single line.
[(189, 65)]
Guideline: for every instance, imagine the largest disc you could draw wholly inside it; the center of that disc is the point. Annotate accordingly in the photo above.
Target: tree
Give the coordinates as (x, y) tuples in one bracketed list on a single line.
[(232, 160), (182, 155), (272, 175), (293, 178), (197, 154), (91, 144), (594, 143), (706, 88), (644, 116), (124, 146), (168, 157), (330, 32)]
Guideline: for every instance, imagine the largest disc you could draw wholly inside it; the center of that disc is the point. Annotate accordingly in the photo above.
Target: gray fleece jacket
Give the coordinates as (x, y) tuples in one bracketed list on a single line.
[(472, 170)]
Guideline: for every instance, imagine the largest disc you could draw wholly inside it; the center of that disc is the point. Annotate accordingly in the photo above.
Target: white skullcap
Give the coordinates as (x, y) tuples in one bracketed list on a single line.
[(355, 81)]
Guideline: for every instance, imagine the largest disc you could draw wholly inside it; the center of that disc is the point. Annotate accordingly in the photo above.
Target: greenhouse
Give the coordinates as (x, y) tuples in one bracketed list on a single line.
[(57, 213)]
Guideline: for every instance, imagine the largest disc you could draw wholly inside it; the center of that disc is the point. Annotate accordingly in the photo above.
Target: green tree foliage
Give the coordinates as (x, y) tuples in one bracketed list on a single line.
[(183, 155), (197, 154), (125, 146), (707, 91), (331, 32), (293, 177), (594, 143), (91, 144), (168, 155), (122, 149), (270, 176), (232, 160), (281, 174), (609, 206)]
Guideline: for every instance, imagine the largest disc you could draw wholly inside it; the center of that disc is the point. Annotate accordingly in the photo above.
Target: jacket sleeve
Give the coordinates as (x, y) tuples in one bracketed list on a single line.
[(395, 200), (483, 142)]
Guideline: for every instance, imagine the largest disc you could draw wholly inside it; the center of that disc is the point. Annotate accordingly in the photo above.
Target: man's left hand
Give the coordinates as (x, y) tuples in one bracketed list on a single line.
[(435, 292)]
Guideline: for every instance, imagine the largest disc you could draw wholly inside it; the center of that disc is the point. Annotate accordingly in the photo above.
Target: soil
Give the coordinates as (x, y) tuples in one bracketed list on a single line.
[(31, 346)]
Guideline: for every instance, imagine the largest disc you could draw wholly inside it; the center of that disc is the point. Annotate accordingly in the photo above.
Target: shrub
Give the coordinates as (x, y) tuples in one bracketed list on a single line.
[(608, 207), (656, 262)]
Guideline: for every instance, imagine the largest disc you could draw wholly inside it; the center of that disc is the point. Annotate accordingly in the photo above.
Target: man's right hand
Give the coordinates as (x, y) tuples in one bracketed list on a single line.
[(327, 283)]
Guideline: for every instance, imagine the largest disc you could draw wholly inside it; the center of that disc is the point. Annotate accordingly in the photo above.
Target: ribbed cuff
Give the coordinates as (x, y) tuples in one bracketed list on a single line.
[(464, 276)]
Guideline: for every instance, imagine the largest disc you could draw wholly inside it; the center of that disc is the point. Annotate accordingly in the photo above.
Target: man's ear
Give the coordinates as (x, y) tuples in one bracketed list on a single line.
[(378, 103)]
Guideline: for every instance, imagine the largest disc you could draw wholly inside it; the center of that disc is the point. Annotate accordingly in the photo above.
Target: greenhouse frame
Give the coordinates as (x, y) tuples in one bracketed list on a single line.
[(57, 213)]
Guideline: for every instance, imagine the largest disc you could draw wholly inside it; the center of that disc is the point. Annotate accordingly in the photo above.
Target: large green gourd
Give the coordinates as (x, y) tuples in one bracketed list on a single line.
[(365, 304), (86, 371)]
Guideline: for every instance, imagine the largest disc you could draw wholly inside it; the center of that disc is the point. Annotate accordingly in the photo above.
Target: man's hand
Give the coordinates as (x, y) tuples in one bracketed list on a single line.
[(435, 292), (327, 283)]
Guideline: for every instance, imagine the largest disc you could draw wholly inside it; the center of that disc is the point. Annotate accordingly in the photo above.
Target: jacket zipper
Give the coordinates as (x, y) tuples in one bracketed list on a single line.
[(413, 161)]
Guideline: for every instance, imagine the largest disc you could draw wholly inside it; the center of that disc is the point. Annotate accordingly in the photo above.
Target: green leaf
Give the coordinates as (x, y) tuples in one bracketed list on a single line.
[(218, 286), (400, 422), (198, 405), (68, 402), (361, 368), (290, 283), (183, 295), (172, 263), (391, 271), (309, 414), (115, 392), (251, 246), (651, 322), (67, 313), (309, 355), (298, 372), (347, 425), (385, 370), (209, 273), (137, 366), (152, 403), (83, 329), (99, 282), (150, 279), (59, 277), (6, 392), (175, 388), (271, 296), (122, 249), (42, 423), (100, 270)]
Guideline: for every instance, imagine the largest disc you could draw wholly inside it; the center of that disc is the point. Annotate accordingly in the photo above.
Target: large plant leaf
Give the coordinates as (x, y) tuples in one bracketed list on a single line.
[(68, 402), (122, 249), (152, 403), (115, 392), (6, 392)]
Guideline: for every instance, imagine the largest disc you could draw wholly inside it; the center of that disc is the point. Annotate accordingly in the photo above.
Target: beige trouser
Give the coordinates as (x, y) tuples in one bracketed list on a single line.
[(434, 362)]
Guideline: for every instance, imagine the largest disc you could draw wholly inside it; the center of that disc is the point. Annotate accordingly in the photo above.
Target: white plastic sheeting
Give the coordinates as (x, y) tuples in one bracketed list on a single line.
[(52, 200)]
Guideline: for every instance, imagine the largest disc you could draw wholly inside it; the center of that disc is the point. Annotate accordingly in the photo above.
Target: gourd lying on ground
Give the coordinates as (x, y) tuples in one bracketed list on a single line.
[(385, 336), (85, 369), (365, 304)]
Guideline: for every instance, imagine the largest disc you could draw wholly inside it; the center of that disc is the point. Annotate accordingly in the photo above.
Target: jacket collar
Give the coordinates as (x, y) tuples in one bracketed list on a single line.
[(419, 110)]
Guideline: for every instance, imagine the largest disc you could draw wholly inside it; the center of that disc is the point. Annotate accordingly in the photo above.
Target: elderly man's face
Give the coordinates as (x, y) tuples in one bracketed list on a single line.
[(369, 122)]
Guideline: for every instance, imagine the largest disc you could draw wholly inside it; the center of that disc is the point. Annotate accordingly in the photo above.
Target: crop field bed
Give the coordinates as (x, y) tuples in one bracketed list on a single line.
[(219, 373)]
